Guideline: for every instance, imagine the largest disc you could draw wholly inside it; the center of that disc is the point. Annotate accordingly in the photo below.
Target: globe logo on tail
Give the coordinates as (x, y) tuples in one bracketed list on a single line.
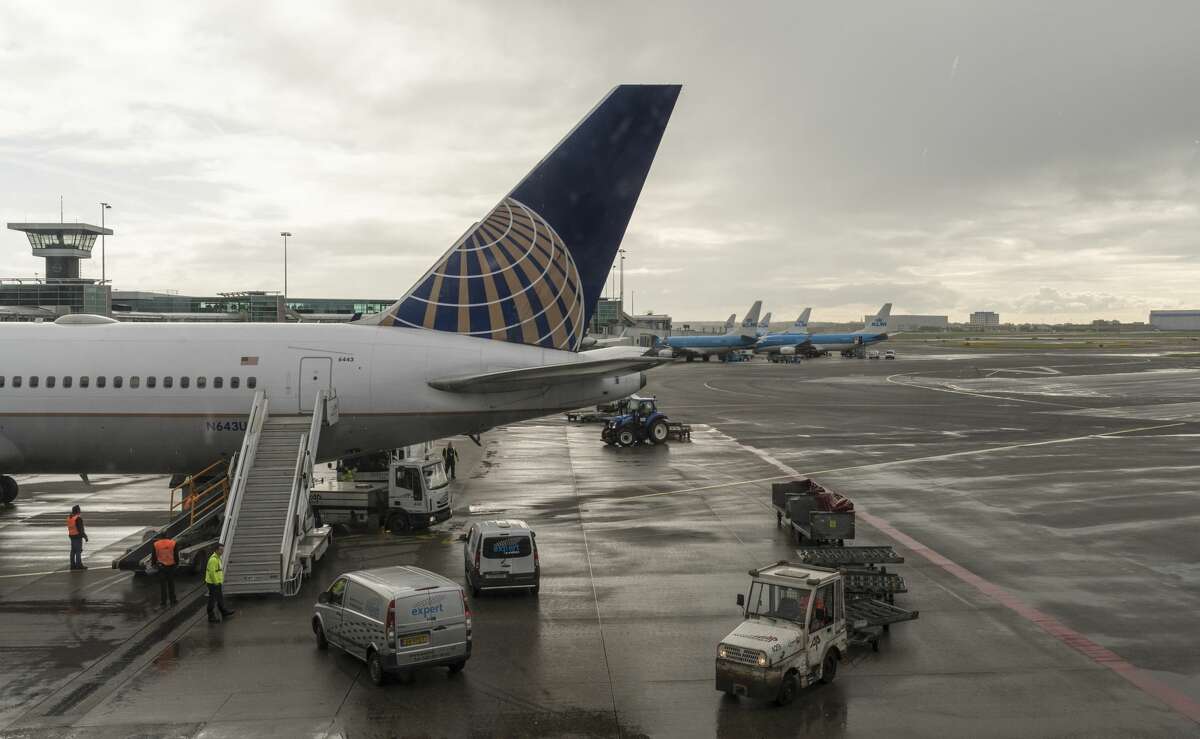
[(510, 278)]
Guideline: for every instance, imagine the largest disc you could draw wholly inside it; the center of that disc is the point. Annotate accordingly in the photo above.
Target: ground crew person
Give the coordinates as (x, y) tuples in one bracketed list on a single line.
[(450, 457), (78, 536), (214, 578), (166, 557)]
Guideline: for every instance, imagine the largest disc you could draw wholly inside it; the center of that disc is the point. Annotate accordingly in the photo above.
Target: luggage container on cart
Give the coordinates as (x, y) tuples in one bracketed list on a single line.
[(813, 512)]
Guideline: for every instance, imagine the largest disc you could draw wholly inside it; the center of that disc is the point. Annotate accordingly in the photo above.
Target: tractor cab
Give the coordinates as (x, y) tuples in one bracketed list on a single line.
[(639, 420)]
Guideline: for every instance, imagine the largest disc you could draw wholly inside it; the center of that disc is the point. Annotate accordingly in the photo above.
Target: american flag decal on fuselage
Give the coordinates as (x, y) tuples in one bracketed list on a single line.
[(510, 278)]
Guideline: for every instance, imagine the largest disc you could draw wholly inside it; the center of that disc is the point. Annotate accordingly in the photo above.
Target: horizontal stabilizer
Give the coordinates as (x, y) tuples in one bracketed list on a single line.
[(606, 362)]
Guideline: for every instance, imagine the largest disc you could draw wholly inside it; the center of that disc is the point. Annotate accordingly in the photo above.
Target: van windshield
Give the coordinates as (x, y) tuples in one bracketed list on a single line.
[(778, 601), (497, 547), (435, 476)]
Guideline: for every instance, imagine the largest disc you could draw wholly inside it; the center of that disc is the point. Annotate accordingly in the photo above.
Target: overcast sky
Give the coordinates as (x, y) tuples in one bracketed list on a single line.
[(1038, 159)]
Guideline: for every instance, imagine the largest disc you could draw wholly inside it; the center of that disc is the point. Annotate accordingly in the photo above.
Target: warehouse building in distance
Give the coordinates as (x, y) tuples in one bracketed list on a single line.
[(1175, 320)]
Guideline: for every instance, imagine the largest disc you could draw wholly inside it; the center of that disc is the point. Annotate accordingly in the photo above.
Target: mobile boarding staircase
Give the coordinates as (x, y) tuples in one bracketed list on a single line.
[(269, 534)]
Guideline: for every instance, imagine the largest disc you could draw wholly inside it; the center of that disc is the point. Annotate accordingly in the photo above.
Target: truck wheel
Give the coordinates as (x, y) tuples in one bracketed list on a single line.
[(626, 438), (788, 690), (457, 667), (375, 668), (322, 642), (398, 522), (659, 432), (8, 489), (690, 358), (829, 666), (704, 358)]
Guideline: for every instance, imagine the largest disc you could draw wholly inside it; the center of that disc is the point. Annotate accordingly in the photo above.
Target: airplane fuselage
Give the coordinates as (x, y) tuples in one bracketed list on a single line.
[(175, 397), (709, 345), (817, 342)]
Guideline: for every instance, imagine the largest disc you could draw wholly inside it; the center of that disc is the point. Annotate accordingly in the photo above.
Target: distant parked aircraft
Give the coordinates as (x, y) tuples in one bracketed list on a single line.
[(874, 331), (735, 338)]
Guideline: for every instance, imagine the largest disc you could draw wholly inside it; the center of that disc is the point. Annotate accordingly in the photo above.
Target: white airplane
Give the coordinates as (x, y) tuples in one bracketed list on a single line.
[(488, 336)]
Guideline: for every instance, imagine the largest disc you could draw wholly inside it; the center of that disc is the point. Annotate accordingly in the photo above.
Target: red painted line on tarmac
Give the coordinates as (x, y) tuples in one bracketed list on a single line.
[(1052, 626)]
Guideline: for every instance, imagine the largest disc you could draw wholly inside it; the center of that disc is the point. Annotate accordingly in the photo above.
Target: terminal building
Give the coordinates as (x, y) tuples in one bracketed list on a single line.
[(1175, 320)]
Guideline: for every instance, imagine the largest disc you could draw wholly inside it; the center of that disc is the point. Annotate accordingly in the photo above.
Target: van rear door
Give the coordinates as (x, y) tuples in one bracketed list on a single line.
[(429, 624), (510, 554)]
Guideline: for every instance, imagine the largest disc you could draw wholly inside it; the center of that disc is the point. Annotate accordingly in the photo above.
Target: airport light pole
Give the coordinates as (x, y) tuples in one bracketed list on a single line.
[(285, 235), (622, 252), (103, 272)]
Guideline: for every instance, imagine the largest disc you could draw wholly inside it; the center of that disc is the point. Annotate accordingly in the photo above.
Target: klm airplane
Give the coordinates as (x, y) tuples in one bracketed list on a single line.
[(816, 344), (734, 339), (799, 328)]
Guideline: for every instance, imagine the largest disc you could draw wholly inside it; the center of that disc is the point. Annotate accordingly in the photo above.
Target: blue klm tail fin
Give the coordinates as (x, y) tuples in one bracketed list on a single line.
[(532, 270), (801, 324), (750, 321), (764, 326)]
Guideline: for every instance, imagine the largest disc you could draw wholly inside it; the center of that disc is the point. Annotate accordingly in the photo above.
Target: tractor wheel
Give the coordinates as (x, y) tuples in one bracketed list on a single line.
[(8, 489), (626, 437), (659, 432)]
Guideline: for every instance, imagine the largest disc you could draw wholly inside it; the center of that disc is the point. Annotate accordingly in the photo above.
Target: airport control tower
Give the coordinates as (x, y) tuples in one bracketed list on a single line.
[(62, 245)]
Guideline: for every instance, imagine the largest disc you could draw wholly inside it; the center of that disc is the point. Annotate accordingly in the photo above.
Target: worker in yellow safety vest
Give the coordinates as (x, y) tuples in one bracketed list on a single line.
[(78, 536), (166, 557), (214, 578)]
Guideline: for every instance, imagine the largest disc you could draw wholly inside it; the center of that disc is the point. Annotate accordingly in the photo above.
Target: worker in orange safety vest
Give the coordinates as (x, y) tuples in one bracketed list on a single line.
[(166, 558), (78, 536)]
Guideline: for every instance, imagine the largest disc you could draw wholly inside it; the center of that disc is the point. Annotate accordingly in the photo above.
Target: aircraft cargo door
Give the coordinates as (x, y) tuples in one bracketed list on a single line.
[(315, 374)]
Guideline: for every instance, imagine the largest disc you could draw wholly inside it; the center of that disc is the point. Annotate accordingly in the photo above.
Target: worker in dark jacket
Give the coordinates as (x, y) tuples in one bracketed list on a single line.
[(166, 558), (78, 536), (450, 457)]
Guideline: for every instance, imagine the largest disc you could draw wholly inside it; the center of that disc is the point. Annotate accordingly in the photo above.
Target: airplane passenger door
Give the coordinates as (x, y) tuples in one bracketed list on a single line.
[(316, 373)]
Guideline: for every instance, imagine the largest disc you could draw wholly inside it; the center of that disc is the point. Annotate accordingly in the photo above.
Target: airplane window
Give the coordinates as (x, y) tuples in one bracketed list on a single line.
[(168, 382), (234, 382), (67, 380), (201, 383), (118, 382), (184, 382), (251, 382), (218, 382), (84, 381), (101, 381), (135, 382), (33, 381), (16, 381), (151, 381), (50, 381)]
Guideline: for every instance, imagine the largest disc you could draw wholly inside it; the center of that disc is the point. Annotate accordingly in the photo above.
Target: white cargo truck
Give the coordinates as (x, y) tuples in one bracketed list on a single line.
[(413, 493)]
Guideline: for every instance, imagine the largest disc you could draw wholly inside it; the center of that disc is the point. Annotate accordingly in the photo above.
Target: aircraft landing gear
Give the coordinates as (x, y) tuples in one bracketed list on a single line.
[(8, 489)]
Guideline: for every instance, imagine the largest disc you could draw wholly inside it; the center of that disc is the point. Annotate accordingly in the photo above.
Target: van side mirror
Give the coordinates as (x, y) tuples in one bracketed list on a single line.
[(741, 600), (324, 597)]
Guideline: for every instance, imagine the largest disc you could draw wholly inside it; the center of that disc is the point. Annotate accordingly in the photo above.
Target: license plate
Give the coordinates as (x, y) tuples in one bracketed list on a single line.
[(415, 640), (495, 574)]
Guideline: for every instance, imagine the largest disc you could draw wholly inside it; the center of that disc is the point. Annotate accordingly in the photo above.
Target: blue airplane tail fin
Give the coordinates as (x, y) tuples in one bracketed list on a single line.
[(764, 326), (879, 322), (801, 324), (532, 270), (750, 322)]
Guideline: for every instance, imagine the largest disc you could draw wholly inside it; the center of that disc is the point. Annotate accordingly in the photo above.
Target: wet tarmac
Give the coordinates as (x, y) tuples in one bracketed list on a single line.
[(1046, 505)]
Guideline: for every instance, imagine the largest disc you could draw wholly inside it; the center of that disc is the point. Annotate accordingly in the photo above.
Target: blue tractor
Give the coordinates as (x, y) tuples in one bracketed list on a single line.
[(637, 421)]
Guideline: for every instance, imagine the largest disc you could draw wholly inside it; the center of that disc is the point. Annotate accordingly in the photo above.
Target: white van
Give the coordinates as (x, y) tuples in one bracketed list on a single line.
[(395, 619), (502, 555)]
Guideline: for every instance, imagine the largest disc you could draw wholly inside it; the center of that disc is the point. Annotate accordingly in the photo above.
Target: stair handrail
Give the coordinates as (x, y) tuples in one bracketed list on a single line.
[(301, 486), (245, 462)]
